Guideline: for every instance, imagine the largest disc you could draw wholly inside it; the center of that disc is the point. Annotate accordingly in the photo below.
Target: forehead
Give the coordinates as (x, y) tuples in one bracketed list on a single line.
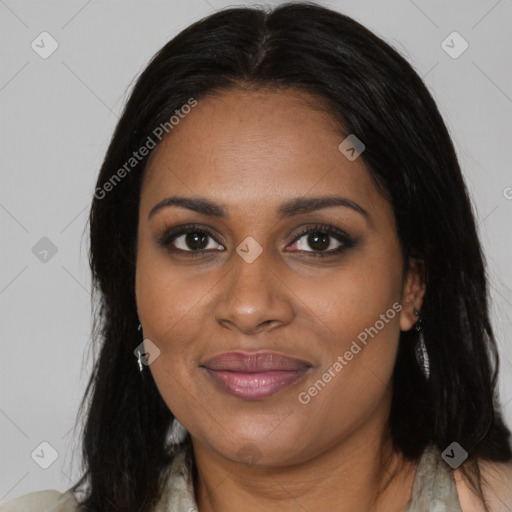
[(251, 146)]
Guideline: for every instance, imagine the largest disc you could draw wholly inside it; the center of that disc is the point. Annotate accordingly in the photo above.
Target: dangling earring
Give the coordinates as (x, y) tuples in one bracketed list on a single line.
[(421, 349), (177, 433), (141, 366)]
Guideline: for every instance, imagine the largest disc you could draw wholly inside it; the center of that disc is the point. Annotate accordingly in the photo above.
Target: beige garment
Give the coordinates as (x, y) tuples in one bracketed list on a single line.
[(434, 490), (42, 501)]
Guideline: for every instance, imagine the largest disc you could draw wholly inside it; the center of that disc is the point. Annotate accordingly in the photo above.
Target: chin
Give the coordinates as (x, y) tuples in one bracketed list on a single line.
[(261, 451)]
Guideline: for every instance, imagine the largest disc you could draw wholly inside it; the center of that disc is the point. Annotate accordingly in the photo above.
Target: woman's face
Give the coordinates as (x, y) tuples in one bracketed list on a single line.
[(324, 310)]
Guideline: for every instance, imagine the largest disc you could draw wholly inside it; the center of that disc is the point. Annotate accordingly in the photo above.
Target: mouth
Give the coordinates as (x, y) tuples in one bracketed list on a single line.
[(255, 375)]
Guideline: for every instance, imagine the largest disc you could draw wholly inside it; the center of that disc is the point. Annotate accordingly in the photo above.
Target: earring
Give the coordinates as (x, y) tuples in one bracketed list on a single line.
[(141, 366), (421, 349), (177, 433)]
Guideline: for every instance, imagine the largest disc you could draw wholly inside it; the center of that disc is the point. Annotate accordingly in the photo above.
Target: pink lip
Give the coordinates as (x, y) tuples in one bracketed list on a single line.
[(255, 375)]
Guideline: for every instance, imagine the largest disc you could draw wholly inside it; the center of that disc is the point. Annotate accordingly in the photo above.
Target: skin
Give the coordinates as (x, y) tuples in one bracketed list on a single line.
[(497, 488), (250, 151)]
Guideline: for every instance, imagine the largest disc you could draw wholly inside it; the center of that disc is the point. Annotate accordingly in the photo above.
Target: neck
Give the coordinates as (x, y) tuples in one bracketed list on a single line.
[(350, 475)]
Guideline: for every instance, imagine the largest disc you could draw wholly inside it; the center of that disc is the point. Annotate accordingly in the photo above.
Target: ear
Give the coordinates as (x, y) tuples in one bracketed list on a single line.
[(413, 292)]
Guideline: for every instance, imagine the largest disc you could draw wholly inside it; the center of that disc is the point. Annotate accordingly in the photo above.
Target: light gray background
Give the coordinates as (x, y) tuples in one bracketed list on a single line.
[(57, 116)]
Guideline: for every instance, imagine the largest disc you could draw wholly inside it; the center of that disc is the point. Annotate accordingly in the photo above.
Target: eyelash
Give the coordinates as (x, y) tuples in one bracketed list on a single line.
[(170, 235)]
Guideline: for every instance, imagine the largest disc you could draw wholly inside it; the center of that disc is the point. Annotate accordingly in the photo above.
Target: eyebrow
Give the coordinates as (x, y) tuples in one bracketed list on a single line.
[(296, 206)]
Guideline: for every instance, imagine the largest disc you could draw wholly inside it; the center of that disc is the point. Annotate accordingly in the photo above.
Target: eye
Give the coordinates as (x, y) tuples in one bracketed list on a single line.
[(190, 238), (324, 240)]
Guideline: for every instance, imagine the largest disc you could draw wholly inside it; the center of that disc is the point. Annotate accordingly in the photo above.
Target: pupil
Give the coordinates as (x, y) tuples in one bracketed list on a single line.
[(318, 240), (196, 238)]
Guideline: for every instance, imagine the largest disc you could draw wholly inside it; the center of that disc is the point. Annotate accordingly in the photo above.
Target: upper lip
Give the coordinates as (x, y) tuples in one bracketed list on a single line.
[(251, 362)]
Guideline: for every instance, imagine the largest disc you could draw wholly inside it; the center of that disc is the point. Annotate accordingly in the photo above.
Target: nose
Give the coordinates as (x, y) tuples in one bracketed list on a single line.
[(254, 298)]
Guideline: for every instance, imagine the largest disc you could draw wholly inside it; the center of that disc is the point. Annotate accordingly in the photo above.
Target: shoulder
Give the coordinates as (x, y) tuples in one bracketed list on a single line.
[(42, 501), (496, 485)]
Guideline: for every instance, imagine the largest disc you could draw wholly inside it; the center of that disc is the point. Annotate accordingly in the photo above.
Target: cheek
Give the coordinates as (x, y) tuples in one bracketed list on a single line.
[(168, 301), (351, 385), (174, 307), (168, 310), (359, 309), (351, 297), (172, 383)]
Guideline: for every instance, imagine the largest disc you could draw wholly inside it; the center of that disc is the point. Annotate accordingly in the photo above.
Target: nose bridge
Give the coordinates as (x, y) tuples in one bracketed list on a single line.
[(252, 295)]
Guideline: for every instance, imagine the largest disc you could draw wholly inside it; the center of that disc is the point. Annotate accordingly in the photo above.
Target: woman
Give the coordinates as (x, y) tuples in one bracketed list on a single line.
[(293, 297)]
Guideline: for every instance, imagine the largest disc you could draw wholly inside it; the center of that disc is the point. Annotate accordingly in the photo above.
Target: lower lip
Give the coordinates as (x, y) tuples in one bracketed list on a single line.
[(252, 386)]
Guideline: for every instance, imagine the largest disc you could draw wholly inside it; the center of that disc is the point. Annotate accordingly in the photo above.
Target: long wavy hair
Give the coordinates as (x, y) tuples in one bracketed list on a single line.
[(374, 93)]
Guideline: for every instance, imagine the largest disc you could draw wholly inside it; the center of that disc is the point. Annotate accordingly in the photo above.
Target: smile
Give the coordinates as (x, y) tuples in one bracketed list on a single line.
[(252, 376)]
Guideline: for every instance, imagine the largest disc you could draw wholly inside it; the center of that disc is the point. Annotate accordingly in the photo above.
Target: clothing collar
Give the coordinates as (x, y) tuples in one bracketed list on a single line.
[(179, 492), (433, 484)]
